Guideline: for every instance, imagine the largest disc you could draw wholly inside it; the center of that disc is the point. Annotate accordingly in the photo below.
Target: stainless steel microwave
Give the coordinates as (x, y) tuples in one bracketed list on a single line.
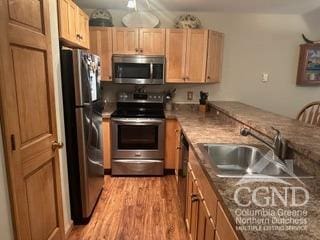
[(138, 69)]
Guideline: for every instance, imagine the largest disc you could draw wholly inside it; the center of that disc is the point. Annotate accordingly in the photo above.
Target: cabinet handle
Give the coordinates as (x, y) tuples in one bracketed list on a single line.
[(78, 36), (137, 50), (208, 77), (178, 148), (110, 77), (194, 198), (141, 50)]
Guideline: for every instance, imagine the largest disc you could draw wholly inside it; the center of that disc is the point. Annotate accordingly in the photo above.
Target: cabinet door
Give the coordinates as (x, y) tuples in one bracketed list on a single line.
[(83, 29), (176, 45), (68, 12), (101, 44), (205, 224), (125, 40), (152, 41), (171, 147), (215, 56), (196, 58)]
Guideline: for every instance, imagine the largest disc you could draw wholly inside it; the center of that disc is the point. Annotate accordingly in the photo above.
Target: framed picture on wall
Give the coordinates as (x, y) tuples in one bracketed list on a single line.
[(309, 65)]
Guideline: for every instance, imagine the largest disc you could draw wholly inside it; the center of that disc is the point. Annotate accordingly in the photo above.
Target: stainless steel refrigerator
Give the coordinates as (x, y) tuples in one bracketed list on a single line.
[(83, 126)]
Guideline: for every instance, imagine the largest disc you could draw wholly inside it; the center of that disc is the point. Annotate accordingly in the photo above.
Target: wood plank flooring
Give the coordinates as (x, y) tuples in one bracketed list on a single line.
[(141, 208)]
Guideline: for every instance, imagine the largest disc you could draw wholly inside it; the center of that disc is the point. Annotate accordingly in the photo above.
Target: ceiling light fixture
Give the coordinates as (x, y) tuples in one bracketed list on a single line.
[(132, 4)]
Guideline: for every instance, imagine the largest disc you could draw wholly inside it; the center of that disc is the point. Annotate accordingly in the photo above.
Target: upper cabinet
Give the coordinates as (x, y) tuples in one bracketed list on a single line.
[(101, 44), (73, 25), (125, 40), (186, 54), (138, 41), (196, 56), (152, 41), (215, 57), (176, 45)]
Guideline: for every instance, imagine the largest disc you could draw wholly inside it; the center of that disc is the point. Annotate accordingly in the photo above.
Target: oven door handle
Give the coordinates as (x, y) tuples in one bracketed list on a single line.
[(138, 121)]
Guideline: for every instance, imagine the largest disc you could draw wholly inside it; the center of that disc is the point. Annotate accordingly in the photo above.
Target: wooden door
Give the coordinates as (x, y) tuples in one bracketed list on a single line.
[(83, 29), (125, 40), (176, 47), (152, 41), (28, 119), (215, 57), (101, 44), (196, 57)]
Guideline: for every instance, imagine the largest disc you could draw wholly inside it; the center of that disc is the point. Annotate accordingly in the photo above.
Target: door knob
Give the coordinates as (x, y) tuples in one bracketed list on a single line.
[(56, 145)]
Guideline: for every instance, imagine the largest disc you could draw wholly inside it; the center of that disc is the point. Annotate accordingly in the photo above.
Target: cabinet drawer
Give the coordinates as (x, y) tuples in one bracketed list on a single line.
[(224, 228)]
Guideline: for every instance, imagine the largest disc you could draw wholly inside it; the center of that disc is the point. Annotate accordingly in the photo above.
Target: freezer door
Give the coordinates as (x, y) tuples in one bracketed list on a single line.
[(90, 156), (87, 77)]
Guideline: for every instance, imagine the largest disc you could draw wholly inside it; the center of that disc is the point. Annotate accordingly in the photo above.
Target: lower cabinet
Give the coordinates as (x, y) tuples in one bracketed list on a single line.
[(205, 218)]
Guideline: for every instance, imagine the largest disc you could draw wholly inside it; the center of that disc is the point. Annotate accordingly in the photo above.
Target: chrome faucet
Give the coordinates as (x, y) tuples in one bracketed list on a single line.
[(279, 145)]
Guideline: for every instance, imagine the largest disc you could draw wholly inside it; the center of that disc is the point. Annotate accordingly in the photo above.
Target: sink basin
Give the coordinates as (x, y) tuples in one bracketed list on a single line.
[(233, 160)]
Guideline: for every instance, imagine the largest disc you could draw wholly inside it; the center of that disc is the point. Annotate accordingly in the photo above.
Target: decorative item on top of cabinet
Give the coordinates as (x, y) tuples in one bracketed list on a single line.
[(186, 53), (188, 21), (101, 18), (101, 44), (215, 57), (73, 25), (309, 65), (140, 19)]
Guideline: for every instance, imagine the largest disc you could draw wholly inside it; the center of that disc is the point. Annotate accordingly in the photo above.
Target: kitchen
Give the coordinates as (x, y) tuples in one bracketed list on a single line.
[(194, 159)]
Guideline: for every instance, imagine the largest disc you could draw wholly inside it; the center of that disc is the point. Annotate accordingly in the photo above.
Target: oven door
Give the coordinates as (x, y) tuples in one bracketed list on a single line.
[(138, 69), (137, 138)]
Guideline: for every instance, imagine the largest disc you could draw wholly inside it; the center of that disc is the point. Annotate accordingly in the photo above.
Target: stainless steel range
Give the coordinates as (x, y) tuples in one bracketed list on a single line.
[(137, 129)]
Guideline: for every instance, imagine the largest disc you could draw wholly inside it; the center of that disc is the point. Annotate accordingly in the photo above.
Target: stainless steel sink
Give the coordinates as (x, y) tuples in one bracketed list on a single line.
[(233, 160)]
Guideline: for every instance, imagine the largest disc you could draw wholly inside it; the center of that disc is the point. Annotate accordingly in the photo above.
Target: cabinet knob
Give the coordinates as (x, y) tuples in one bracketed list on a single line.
[(208, 77), (194, 198), (110, 77), (141, 50), (56, 145), (137, 49), (178, 148)]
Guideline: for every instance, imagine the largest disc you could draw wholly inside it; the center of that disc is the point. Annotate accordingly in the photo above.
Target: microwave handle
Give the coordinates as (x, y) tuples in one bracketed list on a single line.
[(151, 70)]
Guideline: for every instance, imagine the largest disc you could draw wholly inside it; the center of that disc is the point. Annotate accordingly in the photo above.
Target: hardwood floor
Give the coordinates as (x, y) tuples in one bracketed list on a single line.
[(135, 208)]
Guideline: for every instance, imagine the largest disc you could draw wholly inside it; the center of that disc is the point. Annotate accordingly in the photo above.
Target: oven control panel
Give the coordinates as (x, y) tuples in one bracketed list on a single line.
[(140, 97)]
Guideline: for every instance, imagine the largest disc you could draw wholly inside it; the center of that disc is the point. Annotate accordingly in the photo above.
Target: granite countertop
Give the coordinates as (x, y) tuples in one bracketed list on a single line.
[(304, 138), (213, 128)]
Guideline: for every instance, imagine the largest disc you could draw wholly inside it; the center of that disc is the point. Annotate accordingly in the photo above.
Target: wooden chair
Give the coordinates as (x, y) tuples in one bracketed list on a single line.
[(310, 114)]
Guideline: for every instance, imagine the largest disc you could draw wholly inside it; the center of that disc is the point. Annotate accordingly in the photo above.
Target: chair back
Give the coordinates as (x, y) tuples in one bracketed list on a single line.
[(310, 114)]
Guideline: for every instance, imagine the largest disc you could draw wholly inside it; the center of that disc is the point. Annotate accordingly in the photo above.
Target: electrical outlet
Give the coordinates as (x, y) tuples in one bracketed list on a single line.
[(190, 95)]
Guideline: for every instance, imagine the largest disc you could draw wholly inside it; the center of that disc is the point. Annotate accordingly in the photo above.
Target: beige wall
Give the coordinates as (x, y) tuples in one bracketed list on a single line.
[(254, 43)]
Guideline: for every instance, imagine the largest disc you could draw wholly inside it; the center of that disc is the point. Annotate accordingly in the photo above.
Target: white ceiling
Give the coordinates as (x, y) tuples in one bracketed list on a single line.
[(235, 6)]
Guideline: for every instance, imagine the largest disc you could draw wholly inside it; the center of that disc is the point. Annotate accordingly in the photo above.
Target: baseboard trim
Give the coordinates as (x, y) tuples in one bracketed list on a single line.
[(68, 232)]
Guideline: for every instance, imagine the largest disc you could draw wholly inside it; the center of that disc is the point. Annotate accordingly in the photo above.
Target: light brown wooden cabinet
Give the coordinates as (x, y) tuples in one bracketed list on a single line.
[(215, 57), (138, 41), (106, 143), (73, 25), (205, 217), (172, 144), (186, 54), (101, 44)]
